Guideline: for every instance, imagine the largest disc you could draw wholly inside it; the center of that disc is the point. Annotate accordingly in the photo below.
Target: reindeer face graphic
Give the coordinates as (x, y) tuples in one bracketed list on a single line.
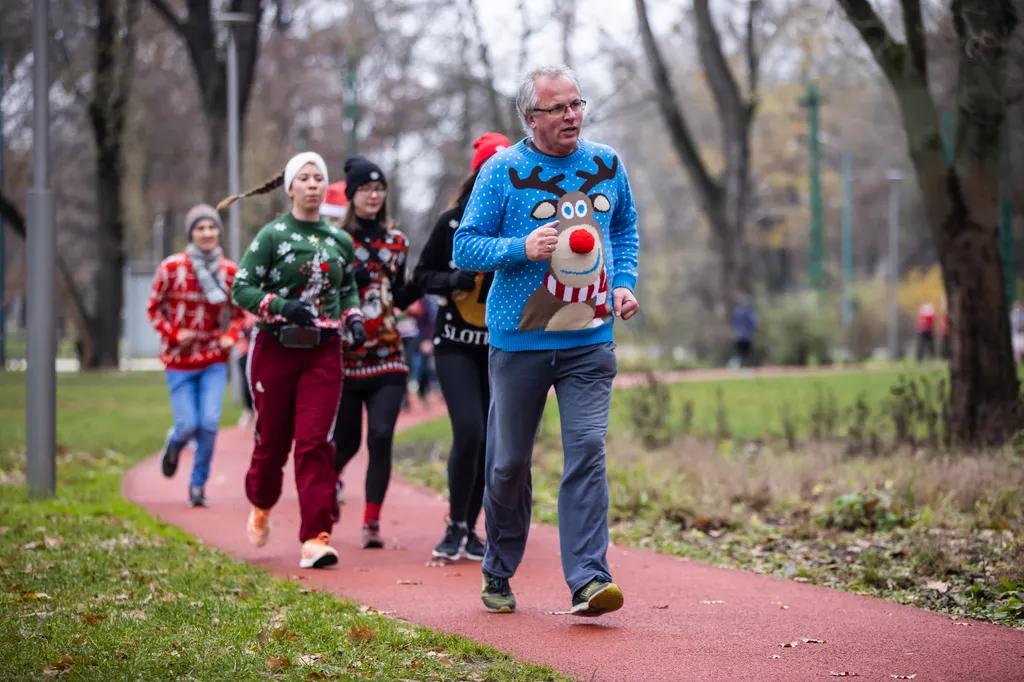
[(571, 295)]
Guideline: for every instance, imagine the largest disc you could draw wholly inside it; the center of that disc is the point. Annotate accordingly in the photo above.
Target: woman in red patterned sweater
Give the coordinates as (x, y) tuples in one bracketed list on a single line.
[(375, 374), (190, 308)]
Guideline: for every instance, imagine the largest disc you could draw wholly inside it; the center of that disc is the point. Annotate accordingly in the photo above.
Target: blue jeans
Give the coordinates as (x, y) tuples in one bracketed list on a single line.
[(197, 397), (520, 381)]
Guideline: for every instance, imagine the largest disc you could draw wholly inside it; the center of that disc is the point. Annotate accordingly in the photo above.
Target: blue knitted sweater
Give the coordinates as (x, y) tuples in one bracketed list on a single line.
[(564, 302)]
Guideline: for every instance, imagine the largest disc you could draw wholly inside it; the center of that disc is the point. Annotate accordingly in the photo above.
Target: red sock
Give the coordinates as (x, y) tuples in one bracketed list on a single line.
[(371, 513)]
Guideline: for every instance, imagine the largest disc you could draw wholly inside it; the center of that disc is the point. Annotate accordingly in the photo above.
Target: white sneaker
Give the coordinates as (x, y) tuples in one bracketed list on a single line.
[(317, 553), (258, 526)]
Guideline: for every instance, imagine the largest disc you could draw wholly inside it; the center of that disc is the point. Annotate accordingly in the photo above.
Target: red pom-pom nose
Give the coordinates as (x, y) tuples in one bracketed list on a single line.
[(581, 241)]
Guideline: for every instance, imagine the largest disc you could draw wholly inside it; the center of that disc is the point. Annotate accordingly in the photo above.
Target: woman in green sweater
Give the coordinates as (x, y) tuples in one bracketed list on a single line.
[(297, 278)]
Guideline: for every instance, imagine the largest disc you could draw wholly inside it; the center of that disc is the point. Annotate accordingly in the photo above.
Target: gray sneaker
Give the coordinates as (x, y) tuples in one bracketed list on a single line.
[(597, 598), (196, 496), (169, 455)]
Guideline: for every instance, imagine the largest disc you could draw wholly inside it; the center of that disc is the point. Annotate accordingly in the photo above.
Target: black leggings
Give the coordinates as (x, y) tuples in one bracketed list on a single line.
[(463, 378), (383, 396)]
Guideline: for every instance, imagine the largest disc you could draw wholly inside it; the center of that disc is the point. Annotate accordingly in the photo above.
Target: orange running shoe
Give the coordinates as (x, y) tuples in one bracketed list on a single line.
[(258, 527)]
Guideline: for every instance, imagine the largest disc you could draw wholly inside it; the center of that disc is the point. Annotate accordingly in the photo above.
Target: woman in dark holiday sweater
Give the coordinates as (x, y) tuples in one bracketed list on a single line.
[(376, 373), (460, 358), (189, 308), (296, 276)]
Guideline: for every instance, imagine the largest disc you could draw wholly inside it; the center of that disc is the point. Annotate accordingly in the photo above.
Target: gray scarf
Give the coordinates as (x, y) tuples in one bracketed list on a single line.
[(206, 264)]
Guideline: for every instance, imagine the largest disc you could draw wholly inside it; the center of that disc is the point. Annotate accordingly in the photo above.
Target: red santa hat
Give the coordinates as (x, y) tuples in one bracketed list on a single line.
[(335, 203), (486, 146)]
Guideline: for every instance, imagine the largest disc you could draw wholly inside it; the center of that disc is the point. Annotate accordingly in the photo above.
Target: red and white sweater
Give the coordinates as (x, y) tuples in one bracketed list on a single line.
[(177, 304)]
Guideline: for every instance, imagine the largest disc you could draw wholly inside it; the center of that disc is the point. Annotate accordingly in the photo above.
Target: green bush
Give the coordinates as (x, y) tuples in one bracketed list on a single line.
[(869, 510), (799, 330)]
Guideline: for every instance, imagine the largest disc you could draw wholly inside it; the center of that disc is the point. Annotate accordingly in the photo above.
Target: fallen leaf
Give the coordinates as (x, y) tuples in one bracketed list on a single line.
[(783, 607), (318, 675), (558, 613), (361, 633), (197, 604), (34, 596), (311, 659), (92, 618), (660, 606), (938, 586), (78, 639), (436, 563), (903, 677), (61, 667), (801, 580), (843, 674), (295, 577), (277, 663), (367, 609), (53, 542), (711, 601), (15, 587), (415, 665), (775, 656), (788, 645), (966, 625), (262, 637), (452, 574), (444, 660), (305, 591), (409, 582), (806, 640), (137, 614), (407, 632)]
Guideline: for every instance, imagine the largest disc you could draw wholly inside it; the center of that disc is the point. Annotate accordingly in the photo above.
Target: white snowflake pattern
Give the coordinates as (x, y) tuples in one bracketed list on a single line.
[(260, 270), (362, 253), (284, 248), (255, 245), (330, 241), (242, 273), (275, 274), (290, 258), (280, 227), (283, 291), (384, 255), (296, 237), (333, 229)]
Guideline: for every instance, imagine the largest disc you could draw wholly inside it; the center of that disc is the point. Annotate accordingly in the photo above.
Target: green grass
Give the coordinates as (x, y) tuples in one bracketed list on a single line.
[(94, 588)]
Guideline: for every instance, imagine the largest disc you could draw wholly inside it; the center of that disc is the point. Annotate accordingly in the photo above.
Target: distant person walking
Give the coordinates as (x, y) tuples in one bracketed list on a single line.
[(190, 308), (744, 327), (460, 357), (925, 331), (296, 276)]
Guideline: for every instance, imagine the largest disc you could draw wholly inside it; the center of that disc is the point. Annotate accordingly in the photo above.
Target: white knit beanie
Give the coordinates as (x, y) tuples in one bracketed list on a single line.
[(300, 160)]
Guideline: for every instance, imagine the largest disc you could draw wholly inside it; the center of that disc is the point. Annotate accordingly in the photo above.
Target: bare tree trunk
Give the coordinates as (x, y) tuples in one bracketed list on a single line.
[(725, 200), (961, 201), (499, 109), (565, 15)]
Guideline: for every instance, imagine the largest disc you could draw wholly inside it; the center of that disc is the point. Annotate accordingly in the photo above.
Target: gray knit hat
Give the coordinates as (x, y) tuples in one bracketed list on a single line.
[(201, 212)]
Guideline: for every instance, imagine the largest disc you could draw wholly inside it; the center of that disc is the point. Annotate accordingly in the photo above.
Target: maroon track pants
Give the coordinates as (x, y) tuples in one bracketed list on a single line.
[(295, 392)]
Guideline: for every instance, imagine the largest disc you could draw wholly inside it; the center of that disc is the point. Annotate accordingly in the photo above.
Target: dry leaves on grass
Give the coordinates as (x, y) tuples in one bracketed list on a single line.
[(277, 663), (61, 667), (361, 633), (311, 659)]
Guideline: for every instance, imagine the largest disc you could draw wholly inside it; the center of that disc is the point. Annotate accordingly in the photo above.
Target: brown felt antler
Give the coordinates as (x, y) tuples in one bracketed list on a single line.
[(603, 173), (533, 181)]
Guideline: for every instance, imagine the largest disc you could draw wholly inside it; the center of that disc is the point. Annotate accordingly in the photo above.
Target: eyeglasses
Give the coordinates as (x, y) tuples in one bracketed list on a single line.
[(371, 189), (559, 109)]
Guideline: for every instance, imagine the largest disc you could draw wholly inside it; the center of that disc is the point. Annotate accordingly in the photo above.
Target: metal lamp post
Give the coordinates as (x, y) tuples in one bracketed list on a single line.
[(230, 20), (41, 388), (894, 177)]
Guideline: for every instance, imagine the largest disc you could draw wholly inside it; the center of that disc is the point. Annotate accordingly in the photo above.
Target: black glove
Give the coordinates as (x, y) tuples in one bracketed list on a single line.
[(363, 277), (462, 280), (358, 331), (296, 313)]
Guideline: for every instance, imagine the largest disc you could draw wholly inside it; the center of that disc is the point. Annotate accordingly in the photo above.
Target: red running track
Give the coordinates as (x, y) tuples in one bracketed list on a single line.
[(719, 624)]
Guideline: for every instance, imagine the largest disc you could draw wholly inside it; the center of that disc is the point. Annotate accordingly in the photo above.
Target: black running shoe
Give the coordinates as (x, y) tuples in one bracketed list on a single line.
[(451, 544), (169, 456), (473, 548), (196, 496), (497, 594)]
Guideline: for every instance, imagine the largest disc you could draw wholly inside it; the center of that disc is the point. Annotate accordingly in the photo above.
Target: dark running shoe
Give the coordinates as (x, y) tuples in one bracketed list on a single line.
[(371, 536), (451, 544), (196, 496), (169, 455), (472, 547), (497, 594), (597, 598)]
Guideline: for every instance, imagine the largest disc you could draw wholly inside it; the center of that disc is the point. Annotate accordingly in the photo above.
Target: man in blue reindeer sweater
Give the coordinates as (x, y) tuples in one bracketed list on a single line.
[(553, 217)]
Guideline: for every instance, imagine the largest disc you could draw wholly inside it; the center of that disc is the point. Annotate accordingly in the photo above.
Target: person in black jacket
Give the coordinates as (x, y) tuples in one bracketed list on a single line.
[(460, 360)]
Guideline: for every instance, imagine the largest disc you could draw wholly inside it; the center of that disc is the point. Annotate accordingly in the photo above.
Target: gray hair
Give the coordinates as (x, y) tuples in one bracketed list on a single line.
[(526, 92)]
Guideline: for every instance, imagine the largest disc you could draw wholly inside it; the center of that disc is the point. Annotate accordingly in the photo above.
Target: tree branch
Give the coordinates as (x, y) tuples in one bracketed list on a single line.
[(753, 54), (913, 26), (707, 189), (169, 16), (888, 52), (719, 76)]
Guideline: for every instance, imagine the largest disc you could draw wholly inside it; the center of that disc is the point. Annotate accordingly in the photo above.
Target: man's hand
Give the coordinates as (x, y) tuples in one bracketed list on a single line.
[(225, 342), (186, 336), (626, 305), (358, 331), (542, 242)]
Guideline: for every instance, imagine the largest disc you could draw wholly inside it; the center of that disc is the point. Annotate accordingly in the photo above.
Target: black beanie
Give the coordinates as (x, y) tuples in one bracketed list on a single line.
[(360, 171)]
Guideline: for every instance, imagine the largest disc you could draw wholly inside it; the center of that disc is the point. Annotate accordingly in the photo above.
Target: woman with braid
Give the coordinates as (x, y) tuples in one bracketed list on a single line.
[(296, 277), (460, 358), (376, 373)]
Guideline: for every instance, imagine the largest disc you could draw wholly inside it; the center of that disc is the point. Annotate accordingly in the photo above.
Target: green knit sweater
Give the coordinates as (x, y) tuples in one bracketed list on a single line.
[(293, 259)]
